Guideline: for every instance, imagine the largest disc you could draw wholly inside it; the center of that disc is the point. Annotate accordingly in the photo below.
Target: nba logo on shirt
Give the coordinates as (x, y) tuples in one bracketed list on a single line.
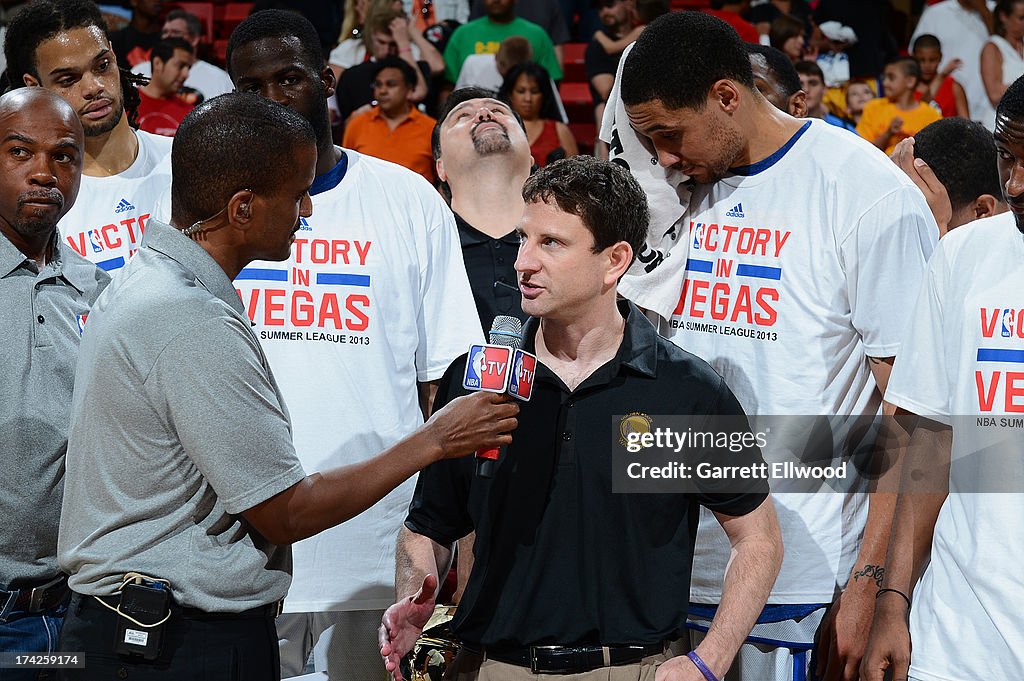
[(81, 322), (487, 368), (1007, 323), (94, 239), (697, 234), (524, 368)]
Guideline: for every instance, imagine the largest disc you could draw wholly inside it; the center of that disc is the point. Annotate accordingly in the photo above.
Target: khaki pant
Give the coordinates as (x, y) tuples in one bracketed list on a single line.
[(469, 666)]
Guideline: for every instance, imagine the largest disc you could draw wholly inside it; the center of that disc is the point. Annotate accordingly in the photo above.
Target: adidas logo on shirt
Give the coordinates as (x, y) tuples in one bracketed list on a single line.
[(123, 206), (736, 212)]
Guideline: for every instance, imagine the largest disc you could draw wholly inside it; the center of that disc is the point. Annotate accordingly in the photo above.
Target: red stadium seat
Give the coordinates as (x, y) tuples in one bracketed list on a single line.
[(234, 14), (586, 136), (220, 52), (572, 54)]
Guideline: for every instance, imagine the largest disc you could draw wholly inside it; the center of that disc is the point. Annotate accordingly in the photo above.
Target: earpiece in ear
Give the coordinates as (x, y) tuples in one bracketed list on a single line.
[(243, 209)]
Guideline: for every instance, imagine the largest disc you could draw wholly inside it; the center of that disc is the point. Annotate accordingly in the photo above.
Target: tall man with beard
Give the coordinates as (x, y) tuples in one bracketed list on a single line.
[(62, 45), (375, 307), (483, 158), (46, 291)]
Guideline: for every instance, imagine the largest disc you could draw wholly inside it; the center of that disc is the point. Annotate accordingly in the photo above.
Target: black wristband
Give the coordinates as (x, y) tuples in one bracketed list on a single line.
[(895, 591)]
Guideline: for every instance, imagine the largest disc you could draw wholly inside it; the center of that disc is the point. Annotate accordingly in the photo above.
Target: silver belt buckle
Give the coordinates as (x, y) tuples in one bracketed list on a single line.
[(533, 656), (35, 599), (279, 608)]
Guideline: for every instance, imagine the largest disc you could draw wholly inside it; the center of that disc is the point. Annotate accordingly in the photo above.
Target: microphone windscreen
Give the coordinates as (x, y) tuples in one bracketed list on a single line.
[(507, 331)]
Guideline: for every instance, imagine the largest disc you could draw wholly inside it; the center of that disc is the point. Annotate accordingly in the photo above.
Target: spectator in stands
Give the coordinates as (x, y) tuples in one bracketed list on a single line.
[(205, 80), (646, 12), (488, 70), (858, 94), (385, 34), (787, 35), (527, 89), (162, 110), (962, 27), (937, 86), (426, 13), (869, 20), (484, 36), (545, 13), (896, 116), (132, 43), (777, 80), (763, 12), (812, 82), (962, 156), (1002, 58), (483, 158), (729, 12), (394, 130), (350, 40), (353, 51), (618, 19)]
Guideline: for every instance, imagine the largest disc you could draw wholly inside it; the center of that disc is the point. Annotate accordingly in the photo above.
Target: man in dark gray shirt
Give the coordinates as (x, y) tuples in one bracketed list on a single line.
[(181, 465), (46, 291)]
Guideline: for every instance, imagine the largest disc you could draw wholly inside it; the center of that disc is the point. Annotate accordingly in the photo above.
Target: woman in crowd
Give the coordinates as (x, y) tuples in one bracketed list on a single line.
[(1002, 58), (527, 89)]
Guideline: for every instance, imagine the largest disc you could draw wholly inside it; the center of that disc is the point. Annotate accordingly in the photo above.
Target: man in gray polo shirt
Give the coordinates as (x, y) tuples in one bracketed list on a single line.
[(46, 291), (181, 464)]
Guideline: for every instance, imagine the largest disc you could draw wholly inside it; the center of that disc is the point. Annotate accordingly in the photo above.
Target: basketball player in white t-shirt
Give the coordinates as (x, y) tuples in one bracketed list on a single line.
[(806, 249), (956, 551), (357, 325), (62, 45)]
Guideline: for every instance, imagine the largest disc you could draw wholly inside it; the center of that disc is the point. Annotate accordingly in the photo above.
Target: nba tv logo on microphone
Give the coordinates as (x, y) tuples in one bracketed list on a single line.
[(488, 368), (524, 368)]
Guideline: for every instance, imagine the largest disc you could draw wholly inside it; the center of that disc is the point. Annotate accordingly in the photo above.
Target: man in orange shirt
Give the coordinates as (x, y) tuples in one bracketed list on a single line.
[(394, 130)]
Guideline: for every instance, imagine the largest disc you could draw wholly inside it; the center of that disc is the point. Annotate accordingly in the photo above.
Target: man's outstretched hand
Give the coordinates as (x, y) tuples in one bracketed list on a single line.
[(403, 623)]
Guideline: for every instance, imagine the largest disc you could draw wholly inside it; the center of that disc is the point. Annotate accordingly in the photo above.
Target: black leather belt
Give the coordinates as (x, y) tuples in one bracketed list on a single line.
[(271, 610), (38, 599), (571, 659)]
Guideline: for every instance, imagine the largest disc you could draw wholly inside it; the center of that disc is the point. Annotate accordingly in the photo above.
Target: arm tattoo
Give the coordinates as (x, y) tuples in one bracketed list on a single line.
[(875, 573)]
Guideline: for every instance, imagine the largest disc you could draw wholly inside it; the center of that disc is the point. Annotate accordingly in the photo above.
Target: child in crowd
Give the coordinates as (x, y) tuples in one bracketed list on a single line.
[(888, 120), (939, 88), (858, 94)]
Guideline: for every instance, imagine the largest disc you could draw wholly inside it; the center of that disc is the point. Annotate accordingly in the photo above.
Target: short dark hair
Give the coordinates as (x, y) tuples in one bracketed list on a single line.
[(807, 67), (784, 27), (962, 154), (548, 108), (214, 147), (42, 20), (780, 66), (679, 56), (192, 23), (1002, 7), (909, 66), (926, 41), (1012, 104), (276, 23), (408, 74), (604, 195), (164, 49)]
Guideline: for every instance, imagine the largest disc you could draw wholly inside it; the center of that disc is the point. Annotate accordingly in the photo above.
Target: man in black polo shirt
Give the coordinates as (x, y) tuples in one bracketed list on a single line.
[(569, 577)]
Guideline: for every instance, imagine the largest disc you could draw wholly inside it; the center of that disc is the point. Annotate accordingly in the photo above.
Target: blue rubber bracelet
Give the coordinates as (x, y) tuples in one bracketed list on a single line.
[(699, 663)]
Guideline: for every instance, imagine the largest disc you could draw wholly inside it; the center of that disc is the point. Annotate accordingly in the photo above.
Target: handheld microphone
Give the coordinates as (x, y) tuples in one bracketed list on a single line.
[(500, 367)]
